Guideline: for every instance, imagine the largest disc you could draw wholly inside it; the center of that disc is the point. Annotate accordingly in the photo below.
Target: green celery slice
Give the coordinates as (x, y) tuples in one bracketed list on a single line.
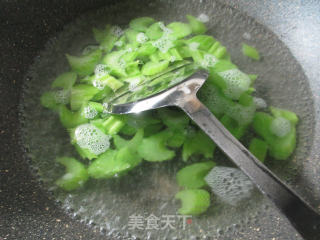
[(258, 148), (192, 176), (250, 52), (76, 174), (65, 80), (154, 149), (194, 201), (204, 42), (179, 29), (197, 143), (197, 26), (133, 143), (141, 24), (71, 119), (173, 118), (152, 68), (80, 94), (154, 32), (113, 163), (84, 65)]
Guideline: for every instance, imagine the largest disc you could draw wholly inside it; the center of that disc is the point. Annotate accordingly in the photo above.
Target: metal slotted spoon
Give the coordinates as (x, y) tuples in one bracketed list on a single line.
[(182, 94)]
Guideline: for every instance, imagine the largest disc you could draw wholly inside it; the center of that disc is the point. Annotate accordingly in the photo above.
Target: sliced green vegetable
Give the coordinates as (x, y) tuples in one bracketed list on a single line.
[(291, 116), (112, 60), (173, 118), (155, 32), (152, 68), (179, 29), (258, 148), (84, 65), (48, 100), (80, 94), (154, 148), (141, 24), (179, 136), (71, 119), (65, 80), (113, 163), (234, 128), (197, 143), (194, 201), (133, 143), (192, 176), (204, 42), (250, 52), (114, 124), (197, 26), (76, 174)]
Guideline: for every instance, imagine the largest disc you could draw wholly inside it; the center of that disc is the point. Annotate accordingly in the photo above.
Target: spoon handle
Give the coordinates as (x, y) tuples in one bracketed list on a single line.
[(301, 215)]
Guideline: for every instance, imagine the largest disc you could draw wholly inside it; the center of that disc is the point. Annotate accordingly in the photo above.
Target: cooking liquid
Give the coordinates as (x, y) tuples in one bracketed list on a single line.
[(108, 205)]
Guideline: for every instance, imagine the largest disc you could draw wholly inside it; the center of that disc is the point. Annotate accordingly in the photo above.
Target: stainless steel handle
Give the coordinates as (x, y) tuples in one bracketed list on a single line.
[(302, 216)]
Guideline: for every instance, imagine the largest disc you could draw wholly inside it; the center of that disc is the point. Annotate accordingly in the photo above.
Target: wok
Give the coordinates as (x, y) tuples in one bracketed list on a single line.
[(285, 32)]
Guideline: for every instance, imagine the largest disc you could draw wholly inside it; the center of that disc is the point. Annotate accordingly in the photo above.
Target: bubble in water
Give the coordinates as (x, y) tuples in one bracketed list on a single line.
[(229, 184), (62, 96), (280, 126), (89, 112), (142, 38), (99, 84), (92, 138), (163, 44), (116, 30), (237, 82), (209, 61), (260, 103), (203, 18), (101, 70)]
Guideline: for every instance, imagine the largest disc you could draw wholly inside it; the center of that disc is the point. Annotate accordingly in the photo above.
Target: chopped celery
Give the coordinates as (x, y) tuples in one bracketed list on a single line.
[(48, 100), (133, 143), (114, 124), (192, 176), (204, 42), (141, 24), (291, 116), (76, 174), (84, 153), (258, 148), (152, 129), (111, 37), (152, 68), (84, 65), (173, 118), (179, 29), (279, 147), (80, 94), (154, 149), (250, 52), (178, 137), (194, 201), (113, 163), (71, 119), (146, 49), (155, 32), (197, 26), (234, 128), (197, 143), (112, 60), (132, 37), (253, 78), (65, 80), (108, 80)]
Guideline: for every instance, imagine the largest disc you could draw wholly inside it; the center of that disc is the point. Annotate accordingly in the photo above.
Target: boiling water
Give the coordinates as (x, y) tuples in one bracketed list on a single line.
[(111, 205)]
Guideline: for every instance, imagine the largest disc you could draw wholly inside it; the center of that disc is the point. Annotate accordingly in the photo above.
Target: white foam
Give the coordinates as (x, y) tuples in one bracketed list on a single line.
[(142, 38), (229, 184), (163, 44), (92, 138), (260, 103), (280, 127), (89, 112), (99, 84), (62, 96), (209, 61), (117, 31), (237, 82), (203, 18), (101, 70)]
